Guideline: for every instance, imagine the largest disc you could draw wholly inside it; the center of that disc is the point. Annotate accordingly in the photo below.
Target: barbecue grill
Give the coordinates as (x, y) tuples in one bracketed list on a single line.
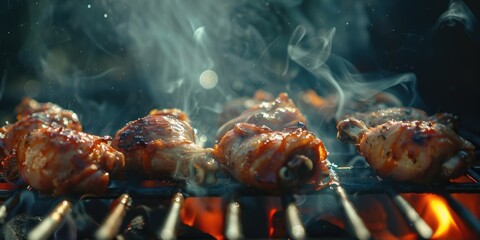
[(99, 56), (236, 211)]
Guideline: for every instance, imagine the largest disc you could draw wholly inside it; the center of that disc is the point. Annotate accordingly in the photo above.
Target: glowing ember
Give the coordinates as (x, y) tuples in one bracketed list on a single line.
[(205, 214), (271, 229), (276, 224)]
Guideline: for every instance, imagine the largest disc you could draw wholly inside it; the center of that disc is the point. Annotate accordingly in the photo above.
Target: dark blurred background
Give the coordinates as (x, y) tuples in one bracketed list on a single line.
[(106, 90)]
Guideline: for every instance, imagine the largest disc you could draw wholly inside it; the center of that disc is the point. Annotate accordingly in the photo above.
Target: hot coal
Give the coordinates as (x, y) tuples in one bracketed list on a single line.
[(144, 222)]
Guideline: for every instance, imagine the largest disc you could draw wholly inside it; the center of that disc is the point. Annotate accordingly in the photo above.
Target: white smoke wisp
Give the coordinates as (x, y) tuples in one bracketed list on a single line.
[(317, 49), (312, 54), (171, 42), (337, 76), (204, 52), (459, 13), (196, 55)]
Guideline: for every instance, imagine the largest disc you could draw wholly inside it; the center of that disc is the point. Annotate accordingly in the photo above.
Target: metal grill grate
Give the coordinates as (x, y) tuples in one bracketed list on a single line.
[(346, 182)]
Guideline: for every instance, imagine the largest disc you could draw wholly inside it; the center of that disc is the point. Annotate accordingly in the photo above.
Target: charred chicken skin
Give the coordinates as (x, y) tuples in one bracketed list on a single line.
[(375, 118), (274, 161), (162, 144), (410, 151), (277, 115), (63, 161)]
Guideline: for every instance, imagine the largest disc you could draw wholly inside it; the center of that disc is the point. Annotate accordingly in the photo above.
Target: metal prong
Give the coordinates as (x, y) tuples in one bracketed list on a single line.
[(418, 224), (113, 221), (8, 205), (292, 216), (356, 225), (169, 228), (45, 228), (233, 226)]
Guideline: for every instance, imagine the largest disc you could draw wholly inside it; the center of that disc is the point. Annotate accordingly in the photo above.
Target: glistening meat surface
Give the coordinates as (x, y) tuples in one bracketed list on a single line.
[(276, 114), (375, 118), (32, 115), (60, 161), (412, 151), (274, 161), (162, 144)]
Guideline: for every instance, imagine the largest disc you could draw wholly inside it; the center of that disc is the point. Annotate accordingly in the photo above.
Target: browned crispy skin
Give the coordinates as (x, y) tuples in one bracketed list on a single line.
[(12, 134), (235, 107), (274, 161), (162, 144), (374, 118), (28, 106), (63, 161), (277, 114), (411, 151), (31, 115)]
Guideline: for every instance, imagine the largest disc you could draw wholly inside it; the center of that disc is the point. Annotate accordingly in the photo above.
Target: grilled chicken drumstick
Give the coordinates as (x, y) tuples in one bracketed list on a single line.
[(276, 115), (274, 161), (411, 151), (60, 160), (162, 144), (14, 133), (32, 115)]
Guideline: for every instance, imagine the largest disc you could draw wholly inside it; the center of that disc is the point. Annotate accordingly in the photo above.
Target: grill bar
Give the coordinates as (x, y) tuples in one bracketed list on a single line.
[(355, 224), (219, 191), (169, 228), (473, 175), (416, 222), (292, 217), (53, 221), (293, 221), (113, 221), (233, 225), (378, 188), (464, 213), (8, 206), (351, 186)]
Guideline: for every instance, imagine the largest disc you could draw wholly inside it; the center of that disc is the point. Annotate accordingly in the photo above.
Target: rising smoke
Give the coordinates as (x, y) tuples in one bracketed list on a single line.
[(114, 60)]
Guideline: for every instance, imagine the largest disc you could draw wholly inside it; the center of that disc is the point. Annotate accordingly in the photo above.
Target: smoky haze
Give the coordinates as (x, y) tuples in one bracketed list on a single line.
[(112, 61)]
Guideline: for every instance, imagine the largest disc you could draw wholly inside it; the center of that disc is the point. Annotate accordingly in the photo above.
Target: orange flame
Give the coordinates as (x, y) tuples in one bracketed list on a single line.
[(441, 213), (205, 214), (438, 215)]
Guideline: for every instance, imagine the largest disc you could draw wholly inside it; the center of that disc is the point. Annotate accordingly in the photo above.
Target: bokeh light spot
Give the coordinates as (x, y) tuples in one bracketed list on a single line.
[(208, 79)]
